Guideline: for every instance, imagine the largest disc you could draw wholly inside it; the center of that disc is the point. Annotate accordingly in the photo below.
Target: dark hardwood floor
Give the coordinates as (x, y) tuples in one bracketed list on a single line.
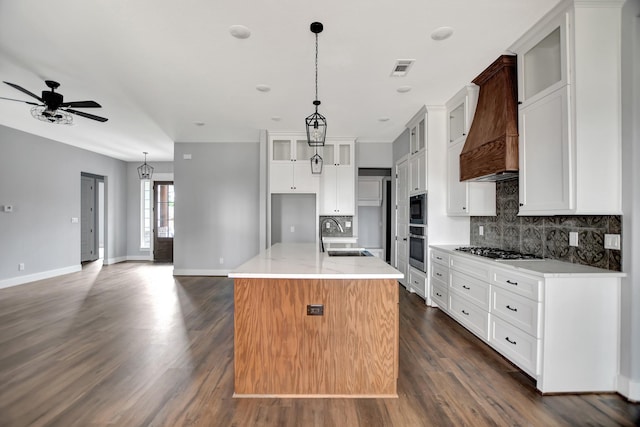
[(130, 345)]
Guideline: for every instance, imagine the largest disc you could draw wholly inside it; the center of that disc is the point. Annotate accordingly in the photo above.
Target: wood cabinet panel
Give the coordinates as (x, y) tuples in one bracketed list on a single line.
[(350, 350)]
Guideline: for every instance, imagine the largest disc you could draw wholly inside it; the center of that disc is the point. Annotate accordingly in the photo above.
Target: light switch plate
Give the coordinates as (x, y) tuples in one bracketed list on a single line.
[(612, 241), (481, 230), (7, 208), (573, 238)]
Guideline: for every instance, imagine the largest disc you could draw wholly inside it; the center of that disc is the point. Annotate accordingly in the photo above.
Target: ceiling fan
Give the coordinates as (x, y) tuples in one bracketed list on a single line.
[(53, 109)]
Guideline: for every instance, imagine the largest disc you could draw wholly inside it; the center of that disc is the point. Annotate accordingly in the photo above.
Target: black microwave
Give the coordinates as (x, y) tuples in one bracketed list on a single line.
[(418, 209)]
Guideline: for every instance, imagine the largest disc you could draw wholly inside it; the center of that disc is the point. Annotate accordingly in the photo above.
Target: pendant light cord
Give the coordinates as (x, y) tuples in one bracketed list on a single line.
[(316, 69)]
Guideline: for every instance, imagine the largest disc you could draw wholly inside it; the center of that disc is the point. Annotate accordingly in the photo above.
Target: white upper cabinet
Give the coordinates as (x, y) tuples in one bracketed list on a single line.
[(337, 186), (570, 112), (465, 198), (290, 165), (418, 152)]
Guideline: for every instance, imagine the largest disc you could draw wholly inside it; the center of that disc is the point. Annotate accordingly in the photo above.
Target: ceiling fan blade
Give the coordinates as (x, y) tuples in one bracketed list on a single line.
[(87, 115), (81, 104), (19, 100), (23, 90)]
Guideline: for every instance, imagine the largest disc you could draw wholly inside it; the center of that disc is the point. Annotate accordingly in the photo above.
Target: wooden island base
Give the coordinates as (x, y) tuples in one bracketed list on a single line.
[(351, 350)]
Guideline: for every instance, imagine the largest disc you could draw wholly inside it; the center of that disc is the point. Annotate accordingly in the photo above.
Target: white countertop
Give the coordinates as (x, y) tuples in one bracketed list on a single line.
[(544, 267), (306, 261)]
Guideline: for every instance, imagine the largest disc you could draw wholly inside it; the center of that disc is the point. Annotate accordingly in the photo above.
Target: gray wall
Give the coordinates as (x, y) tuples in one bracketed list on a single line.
[(217, 206), (293, 210), (630, 301), (40, 178), (374, 154), (133, 205)]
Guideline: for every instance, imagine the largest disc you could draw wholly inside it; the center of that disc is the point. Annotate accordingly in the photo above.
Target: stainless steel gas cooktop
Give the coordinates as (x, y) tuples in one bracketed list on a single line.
[(497, 254)]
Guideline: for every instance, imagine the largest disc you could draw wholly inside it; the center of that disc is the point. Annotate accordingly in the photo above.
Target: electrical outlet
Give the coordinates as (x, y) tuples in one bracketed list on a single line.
[(573, 238), (293, 228), (221, 260), (481, 230), (612, 241), (21, 266)]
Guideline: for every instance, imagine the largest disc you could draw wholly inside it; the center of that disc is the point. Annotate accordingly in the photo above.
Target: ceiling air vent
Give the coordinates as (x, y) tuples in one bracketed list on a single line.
[(402, 67)]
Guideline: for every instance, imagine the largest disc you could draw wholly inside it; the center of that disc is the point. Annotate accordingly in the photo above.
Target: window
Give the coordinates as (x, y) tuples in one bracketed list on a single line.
[(145, 214)]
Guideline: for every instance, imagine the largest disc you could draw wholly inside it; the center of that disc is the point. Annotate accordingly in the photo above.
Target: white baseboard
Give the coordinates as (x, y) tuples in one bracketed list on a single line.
[(629, 389), (109, 261), (139, 258), (189, 272), (21, 280)]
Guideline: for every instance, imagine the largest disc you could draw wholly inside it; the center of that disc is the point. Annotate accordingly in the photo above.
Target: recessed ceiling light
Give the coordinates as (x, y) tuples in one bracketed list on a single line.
[(263, 88), (441, 33), (198, 123), (404, 89), (276, 118), (239, 31), (383, 119)]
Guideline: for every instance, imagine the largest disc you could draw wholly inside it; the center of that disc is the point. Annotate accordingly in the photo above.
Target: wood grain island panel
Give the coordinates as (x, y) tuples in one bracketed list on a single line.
[(349, 351)]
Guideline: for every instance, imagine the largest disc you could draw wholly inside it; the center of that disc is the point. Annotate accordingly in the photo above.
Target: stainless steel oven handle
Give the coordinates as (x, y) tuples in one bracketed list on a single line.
[(417, 236)]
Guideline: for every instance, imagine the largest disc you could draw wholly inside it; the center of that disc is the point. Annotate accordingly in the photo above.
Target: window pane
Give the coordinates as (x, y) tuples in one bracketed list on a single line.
[(165, 207), (145, 215)]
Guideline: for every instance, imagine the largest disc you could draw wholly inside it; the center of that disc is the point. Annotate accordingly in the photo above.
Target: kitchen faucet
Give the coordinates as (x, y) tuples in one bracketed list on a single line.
[(322, 224)]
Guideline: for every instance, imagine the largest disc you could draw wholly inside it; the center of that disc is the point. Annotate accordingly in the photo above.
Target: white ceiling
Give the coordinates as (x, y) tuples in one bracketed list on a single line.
[(159, 66)]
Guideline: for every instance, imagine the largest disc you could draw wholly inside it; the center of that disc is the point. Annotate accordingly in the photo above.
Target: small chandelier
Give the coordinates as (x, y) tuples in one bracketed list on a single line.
[(145, 171), (316, 164), (316, 124)]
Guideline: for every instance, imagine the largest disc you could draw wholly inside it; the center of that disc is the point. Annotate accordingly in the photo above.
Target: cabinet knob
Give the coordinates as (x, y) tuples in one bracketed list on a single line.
[(464, 208), (521, 204), (465, 313)]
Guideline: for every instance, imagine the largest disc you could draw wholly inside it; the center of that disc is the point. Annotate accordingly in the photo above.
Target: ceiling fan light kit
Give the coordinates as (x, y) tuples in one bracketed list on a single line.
[(53, 109), (316, 123)]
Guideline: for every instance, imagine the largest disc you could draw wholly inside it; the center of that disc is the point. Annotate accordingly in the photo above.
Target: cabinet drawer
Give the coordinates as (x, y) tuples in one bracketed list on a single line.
[(472, 268), (440, 295), (472, 288), (515, 345), (527, 286), (438, 257), (469, 315), (417, 281), (517, 310), (440, 273)]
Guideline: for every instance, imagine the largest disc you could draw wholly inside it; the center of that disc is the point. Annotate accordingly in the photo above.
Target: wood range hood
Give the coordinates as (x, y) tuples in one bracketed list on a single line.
[(490, 152)]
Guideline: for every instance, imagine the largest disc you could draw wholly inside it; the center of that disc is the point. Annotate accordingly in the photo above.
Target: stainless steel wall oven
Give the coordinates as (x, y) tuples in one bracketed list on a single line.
[(418, 244)]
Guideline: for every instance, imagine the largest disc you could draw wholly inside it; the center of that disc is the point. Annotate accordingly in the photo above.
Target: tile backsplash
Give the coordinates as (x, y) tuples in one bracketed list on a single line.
[(547, 236), (332, 230)]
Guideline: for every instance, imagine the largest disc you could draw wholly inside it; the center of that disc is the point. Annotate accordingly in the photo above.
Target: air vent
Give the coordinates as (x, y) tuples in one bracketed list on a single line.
[(402, 67)]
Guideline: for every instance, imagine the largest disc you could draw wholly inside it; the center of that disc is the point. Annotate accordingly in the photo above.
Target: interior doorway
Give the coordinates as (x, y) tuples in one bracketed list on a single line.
[(163, 221), (92, 217)]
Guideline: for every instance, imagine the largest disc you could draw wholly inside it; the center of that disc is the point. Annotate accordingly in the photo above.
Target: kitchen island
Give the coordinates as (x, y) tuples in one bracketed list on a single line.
[(312, 325)]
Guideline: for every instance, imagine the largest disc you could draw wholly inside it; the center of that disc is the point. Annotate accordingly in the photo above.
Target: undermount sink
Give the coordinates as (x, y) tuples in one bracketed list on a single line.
[(350, 253)]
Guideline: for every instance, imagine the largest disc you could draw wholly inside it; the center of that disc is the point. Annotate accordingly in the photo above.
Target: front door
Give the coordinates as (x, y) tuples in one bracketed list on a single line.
[(163, 209)]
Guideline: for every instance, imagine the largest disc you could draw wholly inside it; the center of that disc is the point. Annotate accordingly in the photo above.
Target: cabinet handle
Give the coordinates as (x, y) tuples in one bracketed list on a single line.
[(466, 287), (465, 313), (512, 283), (521, 204), (438, 293), (510, 341), (438, 274), (405, 239), (464, 134), (464, 208), (440, 258), (511, 308)]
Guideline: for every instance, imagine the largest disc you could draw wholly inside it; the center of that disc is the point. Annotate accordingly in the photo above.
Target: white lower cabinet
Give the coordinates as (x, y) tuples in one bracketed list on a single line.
[(417, 282), (515, 344), (469, 315), (560, 326)]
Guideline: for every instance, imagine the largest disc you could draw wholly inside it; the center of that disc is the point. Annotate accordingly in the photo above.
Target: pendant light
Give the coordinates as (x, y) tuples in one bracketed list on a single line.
[(316, 163), (145, 171), (316, 124)]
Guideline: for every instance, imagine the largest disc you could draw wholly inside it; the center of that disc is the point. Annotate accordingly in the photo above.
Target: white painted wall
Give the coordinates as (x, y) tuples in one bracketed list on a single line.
[(629, 381), (40, 178)]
